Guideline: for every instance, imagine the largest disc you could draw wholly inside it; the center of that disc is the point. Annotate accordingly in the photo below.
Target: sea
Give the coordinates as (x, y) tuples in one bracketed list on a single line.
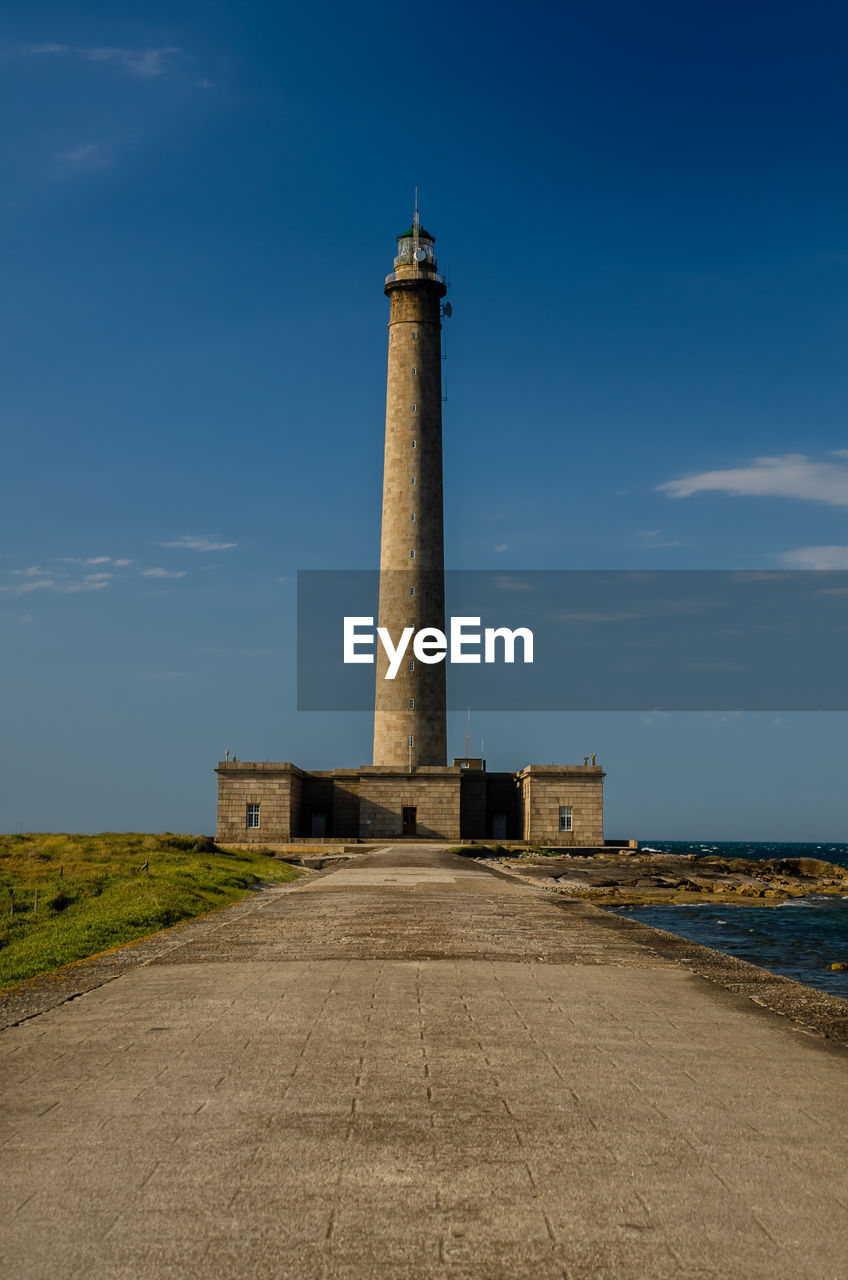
[(800, 938)]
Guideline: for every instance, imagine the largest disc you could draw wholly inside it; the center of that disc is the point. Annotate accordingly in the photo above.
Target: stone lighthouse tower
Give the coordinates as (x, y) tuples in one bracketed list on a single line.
[(409, 714), (410, 789)]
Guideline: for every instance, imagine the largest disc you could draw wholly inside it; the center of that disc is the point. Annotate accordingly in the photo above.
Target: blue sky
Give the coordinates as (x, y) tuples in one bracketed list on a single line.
[(643, 214)]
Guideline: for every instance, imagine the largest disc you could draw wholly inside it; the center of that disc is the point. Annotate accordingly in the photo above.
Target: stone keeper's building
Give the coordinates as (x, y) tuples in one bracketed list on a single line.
[(410, 789)]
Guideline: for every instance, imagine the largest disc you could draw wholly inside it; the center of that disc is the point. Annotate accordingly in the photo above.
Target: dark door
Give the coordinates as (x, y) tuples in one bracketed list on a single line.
[(409, 821)]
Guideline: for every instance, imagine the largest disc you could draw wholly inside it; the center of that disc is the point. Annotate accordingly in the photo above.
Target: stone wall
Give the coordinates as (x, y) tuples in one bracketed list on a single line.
[(346, 802), (450, 803), (472, 808), (276, 788), (547, 788), (503, 804), (316, 807), (434, 794)]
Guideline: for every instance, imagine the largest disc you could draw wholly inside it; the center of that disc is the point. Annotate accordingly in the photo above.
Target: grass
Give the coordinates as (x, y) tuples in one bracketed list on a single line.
[(92, 892)]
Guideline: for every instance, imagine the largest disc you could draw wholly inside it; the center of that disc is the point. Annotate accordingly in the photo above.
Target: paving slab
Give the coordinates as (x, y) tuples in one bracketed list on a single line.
[(414, 1067)]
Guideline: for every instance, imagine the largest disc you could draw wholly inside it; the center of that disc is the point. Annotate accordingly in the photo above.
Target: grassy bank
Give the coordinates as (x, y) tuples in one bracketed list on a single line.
[(65, 897)]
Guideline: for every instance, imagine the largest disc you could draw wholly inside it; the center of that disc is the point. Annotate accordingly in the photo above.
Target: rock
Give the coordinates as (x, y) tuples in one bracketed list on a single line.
[(652, 875), (815, 868)]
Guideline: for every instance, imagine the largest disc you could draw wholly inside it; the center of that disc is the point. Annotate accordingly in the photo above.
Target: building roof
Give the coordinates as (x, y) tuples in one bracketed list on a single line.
[(410, 231)]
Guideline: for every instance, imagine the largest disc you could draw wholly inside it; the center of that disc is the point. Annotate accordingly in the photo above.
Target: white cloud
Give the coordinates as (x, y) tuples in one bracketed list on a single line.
[(22, 588), (121, 564), (199, 542), (163, 573), (792, 475), (833, 557), (143, 64), (61, 579), (92, 582), (503, 546), (58, 580)]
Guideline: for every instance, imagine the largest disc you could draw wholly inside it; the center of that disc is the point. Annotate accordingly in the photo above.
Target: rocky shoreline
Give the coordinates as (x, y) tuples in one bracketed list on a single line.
[(645, 876)]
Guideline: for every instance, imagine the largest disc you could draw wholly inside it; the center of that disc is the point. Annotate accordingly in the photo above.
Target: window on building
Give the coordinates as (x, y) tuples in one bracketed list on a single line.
[(252, 815), (410, 742), (412, 517), (412, 555), (414, 445), (414, 370), (412, 481), (413, 408), (412, 664), (411, 704), (412, 591), (565, 812), (414, 333)]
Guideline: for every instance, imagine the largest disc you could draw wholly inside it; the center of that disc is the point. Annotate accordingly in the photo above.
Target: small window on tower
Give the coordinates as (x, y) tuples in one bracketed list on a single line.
[(414, 370), (412, 555), (412, 664), (412, 481), (410, 742), (412, 517), (412, 591), (252, 815), (411, 704), (414, 445), (413, 408), (414, 333)]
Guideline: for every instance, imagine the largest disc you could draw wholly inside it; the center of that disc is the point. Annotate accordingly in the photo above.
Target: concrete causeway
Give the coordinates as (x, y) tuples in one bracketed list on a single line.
[(416, 1068)]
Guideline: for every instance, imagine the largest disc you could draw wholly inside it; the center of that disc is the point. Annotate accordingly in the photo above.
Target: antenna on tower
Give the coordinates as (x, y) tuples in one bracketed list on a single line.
[(416, 241)]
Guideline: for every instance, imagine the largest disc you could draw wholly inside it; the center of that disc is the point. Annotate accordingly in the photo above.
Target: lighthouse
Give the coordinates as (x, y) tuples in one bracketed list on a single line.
[(410, 790), (409, 711)]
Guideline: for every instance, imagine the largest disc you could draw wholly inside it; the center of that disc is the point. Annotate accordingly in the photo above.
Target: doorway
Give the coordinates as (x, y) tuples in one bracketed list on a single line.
[(410, 820), (499, 826)]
